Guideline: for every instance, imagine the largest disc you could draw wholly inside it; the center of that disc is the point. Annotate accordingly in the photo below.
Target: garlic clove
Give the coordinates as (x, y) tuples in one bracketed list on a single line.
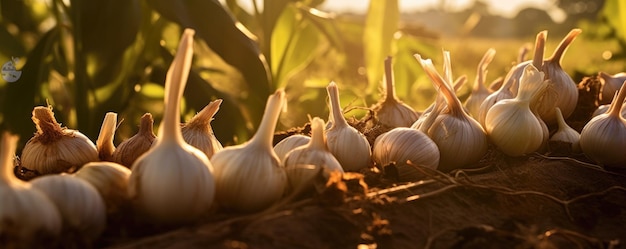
[(81, 207), (104, 143), (400, 145), (172, 183), (289, 143), (129, 150), (349, 146), (314, 155), (199, 133), (54, 149), (249, 176), (565, 133), (391, 111), (28, 216), (111, 181)]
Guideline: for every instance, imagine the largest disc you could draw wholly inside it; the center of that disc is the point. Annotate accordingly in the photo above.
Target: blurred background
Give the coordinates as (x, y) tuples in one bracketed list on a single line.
[(86, 58)]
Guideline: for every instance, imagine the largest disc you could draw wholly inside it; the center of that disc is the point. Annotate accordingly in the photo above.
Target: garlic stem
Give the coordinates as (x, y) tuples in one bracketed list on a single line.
[(318, 135), (104, 144), (454, 104), (479, 84), (205, 116), (557, 56), (389, 84), (561, 121), (616, 104), (146, 125), (540, 42), (338, 119), (175, 81), (47, 126), (265, 133), (7, 152)]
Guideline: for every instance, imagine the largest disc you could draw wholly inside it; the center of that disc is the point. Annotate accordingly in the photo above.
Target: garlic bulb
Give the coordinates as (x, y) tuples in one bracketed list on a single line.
[(501, 94), (479, 91), (198, 132), (81, 207), (348, 145), (314, 155), (129, 150), (460, 139), (27, 215), (391, 111), (249, 176), (565, 133), (54, 149), (610, 85), (289, 143), (603, 138), (111, 181), (104, 144), (604, 108), (173, 181), (400, 145), (511, 125)]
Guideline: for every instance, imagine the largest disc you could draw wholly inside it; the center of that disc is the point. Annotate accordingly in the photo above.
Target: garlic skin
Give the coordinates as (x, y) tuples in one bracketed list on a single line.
[(565, 133), (610, 85), (391, 111), (289, 143), (54, 149), (172, 183), (501, 94), (479, 91), (129, 150), (461, 139), (26, 213), (81, 207), (249, 176), (603, 138), (349, 146), (198, 131), (511, 125), (400, 145), (315, 155), (104, 144), (111, 181)]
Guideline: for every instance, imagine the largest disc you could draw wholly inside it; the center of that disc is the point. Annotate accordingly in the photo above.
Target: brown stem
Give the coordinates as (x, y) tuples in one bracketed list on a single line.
[(48, 129), (146, 125), (205, 116), (560, 50), (540, 43)]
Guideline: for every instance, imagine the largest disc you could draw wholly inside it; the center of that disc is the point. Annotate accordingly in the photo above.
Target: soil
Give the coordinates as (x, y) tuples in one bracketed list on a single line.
[(551, 199)]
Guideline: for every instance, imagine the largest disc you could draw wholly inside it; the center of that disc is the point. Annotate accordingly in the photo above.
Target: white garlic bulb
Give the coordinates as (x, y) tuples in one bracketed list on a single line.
[(479, 91), (81, 207), (604, 108), (130, 149), (28, 216), (315, 156), (173, 181), (289, 143), (511, 125), (349, 146), (111, 181), (565, 133), (603, 138), (199, 133), (400, 145), (501, 94), (249, 176), (54, 149), (391, 111), (610, 85), (461, 139), (104, 143)]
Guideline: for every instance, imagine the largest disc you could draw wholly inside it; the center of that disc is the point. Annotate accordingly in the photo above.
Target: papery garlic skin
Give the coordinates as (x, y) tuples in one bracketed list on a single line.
[(111, 181), (26, 213), (249, 176), (199, 133), (391, 111), (104, 143), (603, 138), (172, 183), (400, 145), (54, 149), (511, 125), (610, 85), (349, 146), (129, 150), (304, 163), (289, 143), (565, 133), (81, 207)]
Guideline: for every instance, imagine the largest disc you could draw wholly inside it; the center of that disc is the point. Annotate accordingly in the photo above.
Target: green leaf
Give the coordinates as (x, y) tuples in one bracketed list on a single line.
[(615, 13), (294, 42), (326, 24), (380, 26)]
